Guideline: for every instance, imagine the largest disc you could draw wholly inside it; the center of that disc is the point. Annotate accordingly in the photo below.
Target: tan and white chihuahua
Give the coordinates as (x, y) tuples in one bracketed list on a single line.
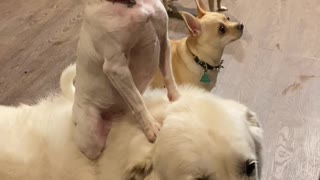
[(196, 59)]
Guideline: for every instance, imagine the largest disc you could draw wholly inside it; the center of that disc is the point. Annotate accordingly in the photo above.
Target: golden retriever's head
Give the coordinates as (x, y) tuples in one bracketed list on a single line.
[(205, 138), (210, 139), (211, 28)]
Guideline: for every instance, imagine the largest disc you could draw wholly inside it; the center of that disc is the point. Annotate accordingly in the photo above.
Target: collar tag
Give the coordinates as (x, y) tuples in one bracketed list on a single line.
[(205, 78)]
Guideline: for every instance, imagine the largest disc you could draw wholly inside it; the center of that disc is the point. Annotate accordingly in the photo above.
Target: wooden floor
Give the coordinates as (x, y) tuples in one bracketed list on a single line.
[(274, 68)]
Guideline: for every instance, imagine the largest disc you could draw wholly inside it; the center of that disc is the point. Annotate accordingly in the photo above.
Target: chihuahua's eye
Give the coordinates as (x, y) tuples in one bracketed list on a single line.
[(250, 167), (222, 29), (228, 18)]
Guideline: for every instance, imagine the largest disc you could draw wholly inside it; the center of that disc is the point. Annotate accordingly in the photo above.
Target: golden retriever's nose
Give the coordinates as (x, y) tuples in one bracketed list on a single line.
[(240, 26)]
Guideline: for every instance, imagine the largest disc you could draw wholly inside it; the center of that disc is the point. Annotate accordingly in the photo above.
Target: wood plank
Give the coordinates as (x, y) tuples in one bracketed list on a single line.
[(38, 43)]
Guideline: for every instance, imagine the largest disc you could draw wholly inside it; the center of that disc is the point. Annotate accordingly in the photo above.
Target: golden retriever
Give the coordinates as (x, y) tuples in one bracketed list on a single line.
[(204, 137)]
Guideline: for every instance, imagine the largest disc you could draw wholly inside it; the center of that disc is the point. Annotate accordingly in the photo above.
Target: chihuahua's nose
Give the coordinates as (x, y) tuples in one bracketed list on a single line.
[(240, 26)]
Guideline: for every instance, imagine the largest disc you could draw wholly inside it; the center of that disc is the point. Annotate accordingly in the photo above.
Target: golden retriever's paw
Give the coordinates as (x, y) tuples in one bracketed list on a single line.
[(222, 8), (139, 170)]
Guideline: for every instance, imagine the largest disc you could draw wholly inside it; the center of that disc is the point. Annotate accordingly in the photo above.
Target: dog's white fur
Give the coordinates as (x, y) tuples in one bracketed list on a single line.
[(202, 136), (119, 51)]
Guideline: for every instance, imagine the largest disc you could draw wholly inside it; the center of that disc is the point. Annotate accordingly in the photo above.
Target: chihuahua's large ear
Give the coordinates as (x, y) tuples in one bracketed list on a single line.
[(193, 23), (139, 170), (257, 136), (201, 8)]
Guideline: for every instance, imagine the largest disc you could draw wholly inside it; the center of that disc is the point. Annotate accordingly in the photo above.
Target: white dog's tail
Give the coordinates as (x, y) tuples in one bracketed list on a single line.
[(66, 81)]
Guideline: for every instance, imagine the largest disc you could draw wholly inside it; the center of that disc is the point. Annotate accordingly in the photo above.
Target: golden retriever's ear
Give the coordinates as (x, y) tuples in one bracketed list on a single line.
[(257, 136), (252, 118), (201, 8), (139, 170), (255, 127), (193, 23)]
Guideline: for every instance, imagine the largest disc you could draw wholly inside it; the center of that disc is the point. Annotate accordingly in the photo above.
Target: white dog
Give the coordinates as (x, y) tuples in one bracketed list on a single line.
[(203, 137), (119, 51)]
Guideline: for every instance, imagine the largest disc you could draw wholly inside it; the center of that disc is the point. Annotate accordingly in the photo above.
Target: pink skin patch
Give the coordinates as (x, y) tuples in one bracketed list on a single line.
[(105, 124)]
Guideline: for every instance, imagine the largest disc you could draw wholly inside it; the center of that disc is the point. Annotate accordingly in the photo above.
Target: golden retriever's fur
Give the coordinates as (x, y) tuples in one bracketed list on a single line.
[(203, 136)]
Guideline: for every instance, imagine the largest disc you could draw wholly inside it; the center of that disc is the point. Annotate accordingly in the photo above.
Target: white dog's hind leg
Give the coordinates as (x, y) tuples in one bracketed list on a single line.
[(91, 130), (118, 72)]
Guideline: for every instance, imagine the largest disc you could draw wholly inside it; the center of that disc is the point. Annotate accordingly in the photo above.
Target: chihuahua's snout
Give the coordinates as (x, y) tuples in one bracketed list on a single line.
[(240, 26)]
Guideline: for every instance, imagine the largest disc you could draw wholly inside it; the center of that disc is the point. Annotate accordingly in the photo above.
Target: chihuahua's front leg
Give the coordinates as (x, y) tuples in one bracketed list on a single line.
[(220, 7), (211, 5), (118, 72), (166, 69)]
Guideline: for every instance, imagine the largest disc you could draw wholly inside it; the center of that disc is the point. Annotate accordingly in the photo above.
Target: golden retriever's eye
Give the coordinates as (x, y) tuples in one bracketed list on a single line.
[(228, 18), (222, 29), (250, 167)]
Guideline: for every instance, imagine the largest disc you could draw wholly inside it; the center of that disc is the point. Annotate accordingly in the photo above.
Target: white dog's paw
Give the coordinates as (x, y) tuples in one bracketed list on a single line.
[(173, 95), (151, 131)]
